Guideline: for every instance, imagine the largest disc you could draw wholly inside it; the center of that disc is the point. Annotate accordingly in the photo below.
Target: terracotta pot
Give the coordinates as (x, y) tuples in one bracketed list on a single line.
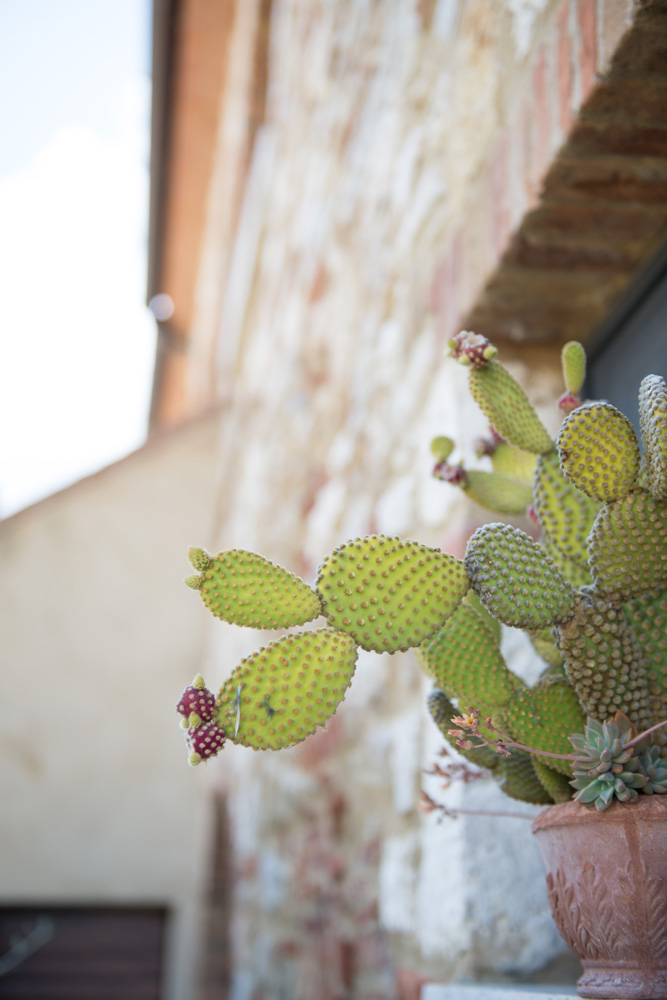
[(607, 882)]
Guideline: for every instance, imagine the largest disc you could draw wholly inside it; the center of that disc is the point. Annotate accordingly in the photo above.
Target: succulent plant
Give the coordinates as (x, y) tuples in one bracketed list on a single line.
[(591, 593), (604, 767)]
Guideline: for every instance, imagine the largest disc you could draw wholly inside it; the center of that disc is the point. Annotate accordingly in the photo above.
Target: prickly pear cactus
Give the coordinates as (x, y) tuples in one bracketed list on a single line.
[(591, 592)]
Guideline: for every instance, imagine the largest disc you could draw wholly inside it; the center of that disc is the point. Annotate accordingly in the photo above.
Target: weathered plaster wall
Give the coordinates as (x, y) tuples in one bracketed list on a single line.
[(377, 205), (99, 806)]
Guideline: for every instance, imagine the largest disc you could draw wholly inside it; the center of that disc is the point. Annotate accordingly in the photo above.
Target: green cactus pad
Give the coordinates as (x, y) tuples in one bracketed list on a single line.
[(506, 406), (543, 718), (497, 492), (647, 616), (604, 661), (653, 424), (442, 712), (473, 601), (510, 461), (516, 580), (465, 660), (565, 513), (544, 645), (390, 594), (628, 547), (576, 573), (599, 451), (573, 360), (284, 691), (518, 779), (556, 784), (245, 589), (441, 448)]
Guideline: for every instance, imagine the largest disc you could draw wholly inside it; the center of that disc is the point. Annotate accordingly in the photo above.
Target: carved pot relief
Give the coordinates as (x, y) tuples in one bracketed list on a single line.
[(607, 883)]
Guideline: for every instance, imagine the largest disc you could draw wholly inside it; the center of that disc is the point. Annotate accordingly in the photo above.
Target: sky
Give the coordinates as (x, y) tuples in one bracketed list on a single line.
[(77, 342)]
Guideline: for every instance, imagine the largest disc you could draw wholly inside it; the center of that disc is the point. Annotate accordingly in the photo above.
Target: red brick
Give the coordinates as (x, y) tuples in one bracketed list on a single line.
[(607, 179), (597, 260), (638, 100), (583, 225), (641, 52), (626, 138), (587, 25)]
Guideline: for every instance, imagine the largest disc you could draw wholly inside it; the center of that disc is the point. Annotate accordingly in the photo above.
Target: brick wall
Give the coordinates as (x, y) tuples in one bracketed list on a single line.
[(396, 189)]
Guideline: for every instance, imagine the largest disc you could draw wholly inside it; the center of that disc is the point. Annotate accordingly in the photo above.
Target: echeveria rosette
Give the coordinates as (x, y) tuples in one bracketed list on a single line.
[(605, 768), (654, 765)]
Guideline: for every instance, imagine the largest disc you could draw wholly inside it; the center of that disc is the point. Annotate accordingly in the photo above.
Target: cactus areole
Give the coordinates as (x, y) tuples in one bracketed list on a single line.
[(591, 594)]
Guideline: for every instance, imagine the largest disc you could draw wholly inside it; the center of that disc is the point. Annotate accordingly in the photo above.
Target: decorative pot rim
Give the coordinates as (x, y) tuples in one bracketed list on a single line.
[(648, 807)]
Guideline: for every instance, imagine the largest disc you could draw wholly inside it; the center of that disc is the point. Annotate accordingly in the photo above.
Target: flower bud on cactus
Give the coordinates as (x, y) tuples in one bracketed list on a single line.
[(471, 349), (204, 741), (196, 701)]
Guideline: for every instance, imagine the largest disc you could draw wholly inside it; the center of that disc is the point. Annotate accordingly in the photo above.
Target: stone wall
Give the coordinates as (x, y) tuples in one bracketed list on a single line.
[(402, 146)]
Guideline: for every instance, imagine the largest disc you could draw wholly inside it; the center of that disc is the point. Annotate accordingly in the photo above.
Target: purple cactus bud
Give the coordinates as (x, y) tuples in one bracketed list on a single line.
[(204, 741), (455, 474), (196, 699), (568, 402), (484, 447), (471, 349)]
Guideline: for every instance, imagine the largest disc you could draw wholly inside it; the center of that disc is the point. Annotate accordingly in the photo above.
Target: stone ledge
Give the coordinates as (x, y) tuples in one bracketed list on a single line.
[(454, 991)]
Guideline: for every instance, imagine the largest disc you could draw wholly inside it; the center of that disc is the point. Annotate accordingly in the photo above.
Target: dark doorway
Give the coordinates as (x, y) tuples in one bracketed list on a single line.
[(73, 953), (632, 342)]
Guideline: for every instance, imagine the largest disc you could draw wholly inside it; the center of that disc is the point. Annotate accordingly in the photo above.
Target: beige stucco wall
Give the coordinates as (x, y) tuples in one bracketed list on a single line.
[(98, 638)]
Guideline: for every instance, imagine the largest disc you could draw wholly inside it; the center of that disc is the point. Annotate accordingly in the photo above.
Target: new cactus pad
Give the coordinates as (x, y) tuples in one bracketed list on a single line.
[(591, 592)]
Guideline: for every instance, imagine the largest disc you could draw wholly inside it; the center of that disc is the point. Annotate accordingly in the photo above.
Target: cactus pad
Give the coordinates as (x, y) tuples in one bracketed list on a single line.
[(573, 360), (441, 448), (653, 424), (246, 589), (577, 574), (390, 594), (628, 547), (506, 406), (544, 645), (565, 513), (599, 451), (513, 462), (497, 492), (543, 717), (465, 660), (647, 616), (518, 779), (515, 579), (284, 691), (553, 782), (604, 661)]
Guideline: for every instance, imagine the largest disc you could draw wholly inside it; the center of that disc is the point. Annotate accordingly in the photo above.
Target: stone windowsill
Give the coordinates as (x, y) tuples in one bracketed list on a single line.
[(454, 991)]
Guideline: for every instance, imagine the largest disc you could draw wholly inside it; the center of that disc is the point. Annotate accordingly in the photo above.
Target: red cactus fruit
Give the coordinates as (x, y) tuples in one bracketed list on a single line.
[(204, 741), (196, 700)]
